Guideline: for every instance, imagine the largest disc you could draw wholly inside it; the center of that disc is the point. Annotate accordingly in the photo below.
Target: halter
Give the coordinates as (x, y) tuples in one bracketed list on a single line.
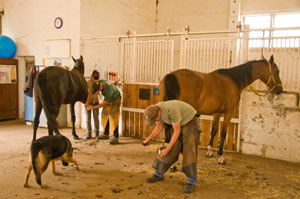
[(269, 88)]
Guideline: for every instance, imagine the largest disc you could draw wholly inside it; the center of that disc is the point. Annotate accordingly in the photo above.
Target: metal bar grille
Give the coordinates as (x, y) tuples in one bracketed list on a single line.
[(151, 61), (103, 57), (206, 55)]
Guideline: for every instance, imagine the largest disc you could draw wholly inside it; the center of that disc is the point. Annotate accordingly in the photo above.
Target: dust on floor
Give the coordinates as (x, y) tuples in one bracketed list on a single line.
[(120, 171)]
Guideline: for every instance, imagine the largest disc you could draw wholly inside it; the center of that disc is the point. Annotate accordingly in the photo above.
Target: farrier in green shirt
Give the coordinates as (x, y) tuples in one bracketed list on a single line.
[(110, 92), (174, 111)]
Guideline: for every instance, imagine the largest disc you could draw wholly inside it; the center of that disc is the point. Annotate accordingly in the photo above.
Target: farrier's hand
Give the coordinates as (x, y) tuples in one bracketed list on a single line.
[(146, 142), (164, 153), (90, 107)]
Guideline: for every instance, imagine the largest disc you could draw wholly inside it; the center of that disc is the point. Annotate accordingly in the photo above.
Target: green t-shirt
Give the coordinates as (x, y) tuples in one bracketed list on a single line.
[(90, 87), (110, 92), (174, 111)]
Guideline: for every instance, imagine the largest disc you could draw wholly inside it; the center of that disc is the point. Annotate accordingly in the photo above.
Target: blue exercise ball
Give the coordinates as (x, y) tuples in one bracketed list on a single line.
[(8, 47)]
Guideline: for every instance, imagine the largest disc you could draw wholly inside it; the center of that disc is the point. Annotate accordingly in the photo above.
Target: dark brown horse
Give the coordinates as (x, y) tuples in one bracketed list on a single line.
[(55, 86), (219, 92)]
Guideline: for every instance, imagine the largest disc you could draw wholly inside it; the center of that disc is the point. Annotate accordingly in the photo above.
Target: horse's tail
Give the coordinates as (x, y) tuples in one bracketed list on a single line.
[(38, 165), (171, 87), (46, 103)]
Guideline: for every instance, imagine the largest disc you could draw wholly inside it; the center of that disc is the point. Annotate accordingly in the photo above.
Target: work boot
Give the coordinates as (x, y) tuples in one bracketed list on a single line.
[(88, 135), (114, 140), (189, 188), (154, 178), (102, 137)]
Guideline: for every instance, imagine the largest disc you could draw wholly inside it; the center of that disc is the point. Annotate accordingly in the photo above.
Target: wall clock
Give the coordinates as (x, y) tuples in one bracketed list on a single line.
[(58, 22)]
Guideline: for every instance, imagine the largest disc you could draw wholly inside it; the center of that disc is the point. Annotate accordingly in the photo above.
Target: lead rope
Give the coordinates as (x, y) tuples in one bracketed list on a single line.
[(271, 77)]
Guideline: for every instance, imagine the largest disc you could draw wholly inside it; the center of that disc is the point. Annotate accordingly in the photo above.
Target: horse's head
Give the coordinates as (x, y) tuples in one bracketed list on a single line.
[(270, 76), (79, 64)]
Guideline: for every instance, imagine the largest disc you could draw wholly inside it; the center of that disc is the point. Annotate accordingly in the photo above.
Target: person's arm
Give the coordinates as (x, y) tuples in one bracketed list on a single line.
[(157, 129), (103, 104), (174, 138)]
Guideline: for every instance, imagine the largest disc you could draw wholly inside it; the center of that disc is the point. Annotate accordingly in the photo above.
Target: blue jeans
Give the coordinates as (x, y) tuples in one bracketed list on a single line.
[(88, 114), (190, 180)]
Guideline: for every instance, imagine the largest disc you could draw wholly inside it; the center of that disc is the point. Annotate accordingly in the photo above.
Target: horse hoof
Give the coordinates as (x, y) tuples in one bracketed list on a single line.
[(209, 151), (221, 160), (209, 154), (75, 137)]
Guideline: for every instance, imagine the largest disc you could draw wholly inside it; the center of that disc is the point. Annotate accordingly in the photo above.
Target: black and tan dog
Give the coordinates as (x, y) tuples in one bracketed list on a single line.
[(45, 150)]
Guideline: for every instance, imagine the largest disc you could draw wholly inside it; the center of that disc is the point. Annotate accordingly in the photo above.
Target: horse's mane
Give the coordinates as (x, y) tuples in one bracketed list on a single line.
[(241, 74)]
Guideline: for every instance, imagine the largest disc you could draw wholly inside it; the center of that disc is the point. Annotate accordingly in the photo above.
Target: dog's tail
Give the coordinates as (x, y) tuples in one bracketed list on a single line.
[(39, 165), (171, 87)]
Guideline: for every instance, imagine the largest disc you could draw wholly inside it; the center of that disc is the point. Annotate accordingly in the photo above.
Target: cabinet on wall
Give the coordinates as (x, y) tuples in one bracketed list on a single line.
[(9, 100)]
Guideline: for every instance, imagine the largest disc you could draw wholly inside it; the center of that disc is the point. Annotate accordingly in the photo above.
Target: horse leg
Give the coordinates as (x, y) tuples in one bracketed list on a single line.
[(36, 121), (50, 130), (52, 123), (227, 118), (75, 136), (213, 132)]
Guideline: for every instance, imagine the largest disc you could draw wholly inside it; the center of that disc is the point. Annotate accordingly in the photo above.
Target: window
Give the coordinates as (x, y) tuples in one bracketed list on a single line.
[(276, 38), (273, 21), (284, 21), (256, 22)]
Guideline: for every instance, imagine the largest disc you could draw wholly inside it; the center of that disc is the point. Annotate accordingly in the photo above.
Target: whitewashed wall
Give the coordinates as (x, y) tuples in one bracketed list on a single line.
[(30, 22), (198, 14), (271, 126), (115, 17)]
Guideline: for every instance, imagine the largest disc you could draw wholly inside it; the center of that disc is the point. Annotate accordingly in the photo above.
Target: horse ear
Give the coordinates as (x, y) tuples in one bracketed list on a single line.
[(81, 58), (263, 58), (272, 59), (74, 59)]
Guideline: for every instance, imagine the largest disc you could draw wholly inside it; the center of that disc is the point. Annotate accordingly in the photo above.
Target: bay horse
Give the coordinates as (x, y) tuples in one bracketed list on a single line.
[(218, 92), (55, 86)]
